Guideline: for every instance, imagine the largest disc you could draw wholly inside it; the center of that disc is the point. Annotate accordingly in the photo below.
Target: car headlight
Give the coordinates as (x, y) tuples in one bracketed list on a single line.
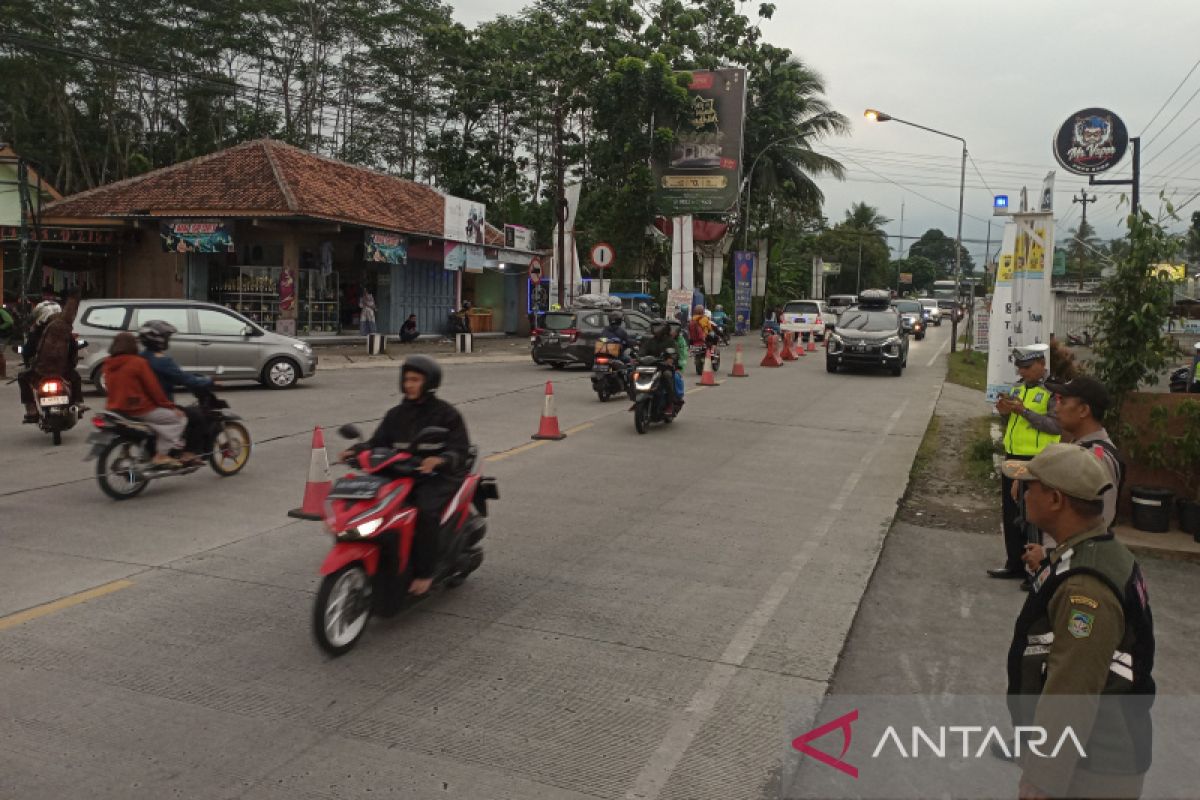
[(302, 347)]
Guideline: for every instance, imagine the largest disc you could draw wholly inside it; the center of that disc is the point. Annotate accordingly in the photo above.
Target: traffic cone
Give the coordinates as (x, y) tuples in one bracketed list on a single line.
[(548, 427), (739, 369), (789, 350), (316, 489), (812, 342), (709, 376), (771, 359), (798, 346)]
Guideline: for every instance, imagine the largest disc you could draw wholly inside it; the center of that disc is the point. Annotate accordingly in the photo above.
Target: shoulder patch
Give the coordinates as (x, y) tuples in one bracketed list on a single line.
[(1081, 600), (1080, 624), (1037, 398)]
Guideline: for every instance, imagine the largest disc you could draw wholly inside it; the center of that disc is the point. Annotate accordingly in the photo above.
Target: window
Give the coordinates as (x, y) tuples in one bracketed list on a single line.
[(802, 308), (218, 323), (595, 320), (859, 320), (111, 317), (556, 321), (908, 306), (175, 315), (636, 323)]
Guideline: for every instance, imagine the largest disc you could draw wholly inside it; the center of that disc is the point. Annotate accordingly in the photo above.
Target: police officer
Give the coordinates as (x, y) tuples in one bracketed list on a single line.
[(1085, 631), (1029, 427)]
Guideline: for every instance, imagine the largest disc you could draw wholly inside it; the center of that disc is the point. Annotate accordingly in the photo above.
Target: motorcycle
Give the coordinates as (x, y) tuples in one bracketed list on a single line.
[(769, 329), (610, 374), (56, 412), (124, 447), (652, 393), (1080, 338), (724, 330), (709, 348), (370, 521)]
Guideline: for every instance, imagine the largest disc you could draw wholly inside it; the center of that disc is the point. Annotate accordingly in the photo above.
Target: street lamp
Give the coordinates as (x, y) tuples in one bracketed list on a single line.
[(878, 116)]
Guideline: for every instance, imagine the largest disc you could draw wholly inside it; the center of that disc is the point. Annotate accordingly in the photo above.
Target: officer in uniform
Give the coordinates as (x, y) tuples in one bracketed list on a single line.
[(1083, 646), (1029, 426)]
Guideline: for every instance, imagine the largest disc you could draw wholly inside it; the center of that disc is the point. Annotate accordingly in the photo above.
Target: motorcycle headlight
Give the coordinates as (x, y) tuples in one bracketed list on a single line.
[(364, 530)]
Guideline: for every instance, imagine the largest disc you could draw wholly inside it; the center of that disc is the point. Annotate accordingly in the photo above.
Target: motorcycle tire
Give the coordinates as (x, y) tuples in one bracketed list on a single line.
[(641, 416), (104, 472), (231, 449), (700, 366), (333, 634), (603, 393)]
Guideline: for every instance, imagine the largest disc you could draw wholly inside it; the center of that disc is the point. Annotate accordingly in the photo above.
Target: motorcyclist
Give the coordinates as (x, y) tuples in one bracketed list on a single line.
[(699, 328), (38, 319), (660, 342), (615, 332), (155, 338), (720, 317), (420, 377), (56, 354)]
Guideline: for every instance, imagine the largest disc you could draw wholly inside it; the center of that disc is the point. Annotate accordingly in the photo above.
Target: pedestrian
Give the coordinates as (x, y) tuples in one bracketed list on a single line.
[(1086, 631), (1080, 408), (7, 326), (1029, 426), (366, 319), (408, 331)]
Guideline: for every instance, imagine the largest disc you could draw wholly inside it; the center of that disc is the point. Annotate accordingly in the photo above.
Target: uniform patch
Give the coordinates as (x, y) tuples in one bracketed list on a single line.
[(1080, 600), (1080, 624), (1037, 398)]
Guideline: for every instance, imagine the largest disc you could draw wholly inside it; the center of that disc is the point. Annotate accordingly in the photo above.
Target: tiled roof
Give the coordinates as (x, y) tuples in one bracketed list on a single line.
[(264, 178)]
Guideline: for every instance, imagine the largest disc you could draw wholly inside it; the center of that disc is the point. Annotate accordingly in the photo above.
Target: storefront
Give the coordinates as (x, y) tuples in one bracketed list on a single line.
[(71, 259)]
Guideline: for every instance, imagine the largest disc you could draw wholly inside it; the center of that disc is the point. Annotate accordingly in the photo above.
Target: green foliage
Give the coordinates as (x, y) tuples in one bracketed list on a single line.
[(939, 248), (1179, 453), (924, 271), (1134, 307)]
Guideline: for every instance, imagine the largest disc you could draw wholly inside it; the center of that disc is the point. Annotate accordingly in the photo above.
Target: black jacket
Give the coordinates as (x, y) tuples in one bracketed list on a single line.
[(657, 346), (403, 422)]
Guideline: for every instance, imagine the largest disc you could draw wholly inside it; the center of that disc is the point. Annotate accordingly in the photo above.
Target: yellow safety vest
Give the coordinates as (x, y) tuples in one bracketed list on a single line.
[(1021, 438)]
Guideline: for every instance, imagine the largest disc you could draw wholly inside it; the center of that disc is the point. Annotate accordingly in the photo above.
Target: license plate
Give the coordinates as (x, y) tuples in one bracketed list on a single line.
[(54, 401), (551, 340), (859, 348), (360, 487)]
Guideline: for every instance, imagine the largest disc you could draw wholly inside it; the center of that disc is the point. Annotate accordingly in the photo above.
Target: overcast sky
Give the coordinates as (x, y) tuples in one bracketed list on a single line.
[(1002, 75)]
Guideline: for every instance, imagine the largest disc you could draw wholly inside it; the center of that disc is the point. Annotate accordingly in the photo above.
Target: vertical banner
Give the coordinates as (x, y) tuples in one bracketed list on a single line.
[(760, 270), (683, 257), (704, 169), (1034, 257), (743, 287), (1000, 374), (572, 276)]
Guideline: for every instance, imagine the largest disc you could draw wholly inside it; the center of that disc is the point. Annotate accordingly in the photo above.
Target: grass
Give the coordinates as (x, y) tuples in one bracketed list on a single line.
[(968, 369), (977, 456), (928, 451)]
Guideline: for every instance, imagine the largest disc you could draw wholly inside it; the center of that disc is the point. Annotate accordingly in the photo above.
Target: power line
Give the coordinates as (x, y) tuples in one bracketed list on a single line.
[(1159, 152), (1186, 103), (980, 174), (1172, 97)]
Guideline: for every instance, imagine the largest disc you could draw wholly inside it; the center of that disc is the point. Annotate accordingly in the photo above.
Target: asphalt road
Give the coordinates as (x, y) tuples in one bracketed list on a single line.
[(648, 606)]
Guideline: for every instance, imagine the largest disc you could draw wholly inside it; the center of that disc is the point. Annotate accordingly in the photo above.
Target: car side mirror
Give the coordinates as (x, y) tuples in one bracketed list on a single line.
[(349, 431), (247, 330)]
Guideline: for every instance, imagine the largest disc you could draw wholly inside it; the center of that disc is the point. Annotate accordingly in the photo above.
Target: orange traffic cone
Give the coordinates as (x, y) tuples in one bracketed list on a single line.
[(812, 342), (739, 369), (316, 489), (548, 427), (797, 346), (709, 376), (789, 349), (771, 359)]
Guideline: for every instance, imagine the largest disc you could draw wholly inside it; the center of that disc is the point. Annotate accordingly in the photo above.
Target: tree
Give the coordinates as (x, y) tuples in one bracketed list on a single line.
[(1082, 260), (924, 272), (939, 248)]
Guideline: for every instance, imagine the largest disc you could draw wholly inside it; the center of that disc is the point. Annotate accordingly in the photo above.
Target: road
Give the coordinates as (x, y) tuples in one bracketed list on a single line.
[(648, 605)]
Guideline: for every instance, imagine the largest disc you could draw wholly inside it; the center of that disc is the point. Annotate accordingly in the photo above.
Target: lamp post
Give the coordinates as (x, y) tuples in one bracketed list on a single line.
[(878, 116)]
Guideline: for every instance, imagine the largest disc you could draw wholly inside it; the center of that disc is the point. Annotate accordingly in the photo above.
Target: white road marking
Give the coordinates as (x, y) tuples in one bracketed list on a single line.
[(938, 354), (657, 771)]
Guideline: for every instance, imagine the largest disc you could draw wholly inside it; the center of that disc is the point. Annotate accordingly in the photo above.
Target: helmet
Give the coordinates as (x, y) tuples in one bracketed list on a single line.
[(616, 318), (423, 365), (155, 333), (1025, 355), (44, 310), (720, 308), (698, 309)]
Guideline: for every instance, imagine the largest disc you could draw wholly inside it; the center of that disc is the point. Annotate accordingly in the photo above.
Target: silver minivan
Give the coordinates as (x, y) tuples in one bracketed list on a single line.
[(209, 336)]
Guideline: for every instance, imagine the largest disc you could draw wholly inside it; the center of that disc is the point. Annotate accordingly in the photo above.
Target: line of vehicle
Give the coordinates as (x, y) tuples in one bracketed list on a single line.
[(29, 614)]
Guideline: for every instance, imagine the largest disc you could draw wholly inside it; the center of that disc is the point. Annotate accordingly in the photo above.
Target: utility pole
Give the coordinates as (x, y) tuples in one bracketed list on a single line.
[(858, 275), (1084, 199), (560, 203)]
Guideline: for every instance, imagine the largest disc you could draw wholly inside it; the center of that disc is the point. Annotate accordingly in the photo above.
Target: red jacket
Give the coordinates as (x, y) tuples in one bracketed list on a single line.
[(133, 388)]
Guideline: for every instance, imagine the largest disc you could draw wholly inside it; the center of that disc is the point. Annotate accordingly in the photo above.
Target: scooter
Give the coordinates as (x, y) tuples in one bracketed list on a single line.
[(651, 399), (709, 348), (124, 447), (371, 521), (610, 374)]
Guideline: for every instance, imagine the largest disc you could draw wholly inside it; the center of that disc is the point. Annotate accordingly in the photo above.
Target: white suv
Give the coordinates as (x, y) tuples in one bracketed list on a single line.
[(932, 312), (805, 316)]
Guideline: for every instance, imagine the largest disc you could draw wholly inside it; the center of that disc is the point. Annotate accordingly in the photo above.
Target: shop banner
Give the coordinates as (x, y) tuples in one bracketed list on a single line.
[(743, 286), (287, 291), (1000, 372), (704, 171), (12, 233), (1032, 310), (463, 221), (476, 258), (196, 236), (385, 248), (518, 238), (454, 256)]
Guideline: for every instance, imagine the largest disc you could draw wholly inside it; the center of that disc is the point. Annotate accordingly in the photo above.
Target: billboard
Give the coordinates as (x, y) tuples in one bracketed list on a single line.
[(384, 247), (517, 237), (196, 236), (743, 287), (463, 220), (703, 171)]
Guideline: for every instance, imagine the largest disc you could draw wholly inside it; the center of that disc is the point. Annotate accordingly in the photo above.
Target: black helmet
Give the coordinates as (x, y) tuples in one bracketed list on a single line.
[(616, 318), (423, 365), (155, 334)]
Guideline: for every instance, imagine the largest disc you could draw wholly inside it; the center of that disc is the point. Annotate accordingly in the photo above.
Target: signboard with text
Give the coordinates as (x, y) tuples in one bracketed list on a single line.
[(384, 247), (743, 286), (196, 236)]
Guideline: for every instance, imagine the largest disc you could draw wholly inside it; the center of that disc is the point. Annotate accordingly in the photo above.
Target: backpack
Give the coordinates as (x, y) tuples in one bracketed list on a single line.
[(1112, 450)]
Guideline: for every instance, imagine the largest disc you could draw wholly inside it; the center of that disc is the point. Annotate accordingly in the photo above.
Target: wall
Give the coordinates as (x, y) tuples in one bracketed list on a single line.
[(422, 288), (145, 270), (1136, 414)]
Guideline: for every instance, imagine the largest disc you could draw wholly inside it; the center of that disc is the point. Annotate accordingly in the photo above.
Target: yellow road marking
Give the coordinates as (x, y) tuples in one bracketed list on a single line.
[(579, 428), (21, 617), (527, 447)]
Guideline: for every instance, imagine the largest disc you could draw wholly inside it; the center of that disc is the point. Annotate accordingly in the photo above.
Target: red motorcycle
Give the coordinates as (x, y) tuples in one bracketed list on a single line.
[(370, 519)]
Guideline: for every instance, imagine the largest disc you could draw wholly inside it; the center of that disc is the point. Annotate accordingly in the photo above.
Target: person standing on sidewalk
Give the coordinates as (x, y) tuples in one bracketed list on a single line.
[(1029, 426), (1082, 651), (366, 319)]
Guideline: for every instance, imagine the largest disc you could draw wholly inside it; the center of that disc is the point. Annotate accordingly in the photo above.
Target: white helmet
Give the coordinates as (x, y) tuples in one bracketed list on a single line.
[(43, 311)]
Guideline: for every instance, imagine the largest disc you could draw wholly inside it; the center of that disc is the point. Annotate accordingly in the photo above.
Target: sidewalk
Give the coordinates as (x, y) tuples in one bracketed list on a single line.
[(1174, 544), (350, 352)]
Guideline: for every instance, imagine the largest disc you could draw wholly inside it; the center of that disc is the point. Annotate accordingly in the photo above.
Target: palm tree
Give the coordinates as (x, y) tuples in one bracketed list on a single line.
[(862, 217)]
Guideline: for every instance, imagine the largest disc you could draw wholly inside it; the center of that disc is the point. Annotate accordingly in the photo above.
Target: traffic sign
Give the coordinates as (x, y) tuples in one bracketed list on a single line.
[(603, 255), (535, 270)]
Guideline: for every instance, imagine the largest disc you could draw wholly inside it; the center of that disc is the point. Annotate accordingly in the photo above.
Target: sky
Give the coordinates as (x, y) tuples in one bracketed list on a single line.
[(1003, 76)]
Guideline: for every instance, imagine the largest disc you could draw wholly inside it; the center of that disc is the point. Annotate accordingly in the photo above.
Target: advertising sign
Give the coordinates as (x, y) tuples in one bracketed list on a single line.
[(906, 277), (476, 258), (1000, 372), (196, 236), (704, 169), (384, 247), (454, 256), (287, 291), (518, 238), (743, 286), (1034, 251), (1091, 141), (464, 220)]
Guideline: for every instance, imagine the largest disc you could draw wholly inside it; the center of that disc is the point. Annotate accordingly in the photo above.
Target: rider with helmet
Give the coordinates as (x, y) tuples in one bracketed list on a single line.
[(700, 328), (134, 391), (720, 317), (661, 340), (420, 377), (54, 353), (38, 319), (155, 338), (615, 332)]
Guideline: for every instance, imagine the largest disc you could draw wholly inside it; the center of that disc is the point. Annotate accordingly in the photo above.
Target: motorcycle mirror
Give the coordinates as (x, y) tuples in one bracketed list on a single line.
[(349, 431)]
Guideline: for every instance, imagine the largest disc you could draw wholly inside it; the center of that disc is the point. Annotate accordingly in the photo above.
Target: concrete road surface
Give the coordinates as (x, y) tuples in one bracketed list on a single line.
[(648, 605)]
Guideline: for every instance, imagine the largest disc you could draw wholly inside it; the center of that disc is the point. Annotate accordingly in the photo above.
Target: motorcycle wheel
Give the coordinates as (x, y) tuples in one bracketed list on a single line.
[(231, 449), (115, 471), (700, 366), (342, 609), (604, 393), (641, 416)]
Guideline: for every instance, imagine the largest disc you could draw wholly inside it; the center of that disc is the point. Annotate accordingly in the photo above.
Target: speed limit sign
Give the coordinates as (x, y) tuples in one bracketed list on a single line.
[(603, 255)]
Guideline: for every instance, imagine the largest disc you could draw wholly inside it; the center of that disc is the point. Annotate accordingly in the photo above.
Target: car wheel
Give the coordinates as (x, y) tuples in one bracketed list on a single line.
[(98, 381), (281, 373), (831, 366), (897, 371)]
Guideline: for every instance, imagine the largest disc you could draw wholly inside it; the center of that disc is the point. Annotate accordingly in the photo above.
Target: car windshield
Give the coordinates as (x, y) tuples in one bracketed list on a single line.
[(929, 303), (841, 301), (909, 306), (558, 321), (857, 319), (801, 308)]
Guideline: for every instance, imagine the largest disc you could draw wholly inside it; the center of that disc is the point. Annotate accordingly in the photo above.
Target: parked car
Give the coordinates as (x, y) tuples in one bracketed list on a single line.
[(569, 336), (209, 336), (912, 315), (869, 334), (933, 314), (804, 316)]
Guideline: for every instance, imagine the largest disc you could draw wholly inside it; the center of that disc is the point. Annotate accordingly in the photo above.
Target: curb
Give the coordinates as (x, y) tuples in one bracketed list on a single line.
[(384, 362)]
